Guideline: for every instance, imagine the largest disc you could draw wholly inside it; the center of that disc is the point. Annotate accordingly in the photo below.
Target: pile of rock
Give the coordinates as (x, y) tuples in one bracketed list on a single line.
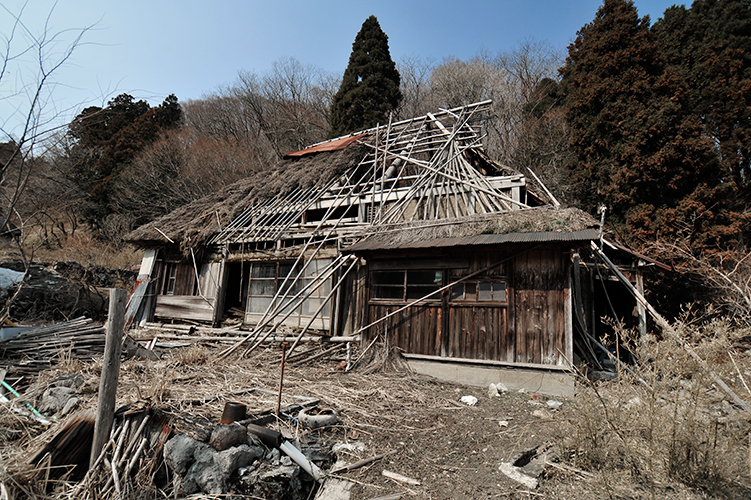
[(235, 461)]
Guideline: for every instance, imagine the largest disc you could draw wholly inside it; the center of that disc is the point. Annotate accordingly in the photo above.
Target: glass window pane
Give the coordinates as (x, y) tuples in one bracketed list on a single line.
[(388, 278), (258, 304), (485, 292), (422, 277), (499, 292), (457, 292), (388, 292), (262, 287), (263, 271), (415, 292)]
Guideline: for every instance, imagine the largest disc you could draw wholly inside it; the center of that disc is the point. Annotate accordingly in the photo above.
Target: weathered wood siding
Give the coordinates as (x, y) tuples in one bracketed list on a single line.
[(529, 327), (416, 330), (540, 280), (478, 333), (184, 307)]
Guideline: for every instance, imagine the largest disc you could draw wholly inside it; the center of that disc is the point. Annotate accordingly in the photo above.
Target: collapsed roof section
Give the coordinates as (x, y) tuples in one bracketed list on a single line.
[(426, 168)]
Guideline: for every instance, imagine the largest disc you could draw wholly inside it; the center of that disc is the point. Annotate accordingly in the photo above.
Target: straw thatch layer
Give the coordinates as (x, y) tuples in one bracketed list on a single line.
[(194, 224), (531, 220)]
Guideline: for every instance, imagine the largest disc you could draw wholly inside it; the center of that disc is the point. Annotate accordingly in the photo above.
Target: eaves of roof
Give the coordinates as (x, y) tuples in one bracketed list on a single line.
[(479, 240)]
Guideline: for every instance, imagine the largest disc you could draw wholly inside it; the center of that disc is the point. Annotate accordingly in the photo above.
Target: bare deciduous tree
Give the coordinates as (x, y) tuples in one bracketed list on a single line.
[(289, 104), (508, 78), (29, 62), (417, 96)]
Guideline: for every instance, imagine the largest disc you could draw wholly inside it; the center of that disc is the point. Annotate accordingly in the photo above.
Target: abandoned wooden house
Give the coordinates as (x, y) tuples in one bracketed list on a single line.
[(408, 231)]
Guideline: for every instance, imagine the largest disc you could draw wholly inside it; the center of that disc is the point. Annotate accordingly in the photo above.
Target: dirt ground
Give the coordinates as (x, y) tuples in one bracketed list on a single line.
[(453, 450)]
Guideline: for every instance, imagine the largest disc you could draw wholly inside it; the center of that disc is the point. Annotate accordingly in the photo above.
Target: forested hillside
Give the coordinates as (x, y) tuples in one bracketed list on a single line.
[(649, 120)]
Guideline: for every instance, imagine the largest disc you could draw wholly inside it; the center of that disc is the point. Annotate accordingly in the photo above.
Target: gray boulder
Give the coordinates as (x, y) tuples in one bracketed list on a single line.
[(181, 451), (227, 436)]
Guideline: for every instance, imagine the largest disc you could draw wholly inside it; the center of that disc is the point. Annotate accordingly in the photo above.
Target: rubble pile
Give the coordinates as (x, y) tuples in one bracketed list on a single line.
[(160, 448), (36, 349)]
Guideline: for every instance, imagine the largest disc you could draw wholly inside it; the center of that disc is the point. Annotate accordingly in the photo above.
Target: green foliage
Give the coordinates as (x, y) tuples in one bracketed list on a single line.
[(107, 139), (370, 86), (635, 146)]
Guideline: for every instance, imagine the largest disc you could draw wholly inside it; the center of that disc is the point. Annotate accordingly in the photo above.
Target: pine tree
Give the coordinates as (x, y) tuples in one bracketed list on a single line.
[(634, 145), (370, 86)]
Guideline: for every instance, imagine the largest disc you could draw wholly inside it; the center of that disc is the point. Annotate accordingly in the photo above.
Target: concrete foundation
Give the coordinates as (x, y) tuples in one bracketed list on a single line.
[(540, 381)]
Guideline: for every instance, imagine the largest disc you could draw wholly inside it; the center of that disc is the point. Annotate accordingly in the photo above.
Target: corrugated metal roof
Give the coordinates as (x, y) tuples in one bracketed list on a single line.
[(333, 145), (482, 239)]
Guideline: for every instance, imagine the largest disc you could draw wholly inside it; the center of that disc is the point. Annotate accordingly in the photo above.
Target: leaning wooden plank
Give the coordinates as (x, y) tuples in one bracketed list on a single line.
[(670, 331)]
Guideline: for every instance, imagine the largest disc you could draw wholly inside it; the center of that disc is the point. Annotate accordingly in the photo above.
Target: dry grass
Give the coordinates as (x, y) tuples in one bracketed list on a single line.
[(672, 436), (667, 425), (79, 247)]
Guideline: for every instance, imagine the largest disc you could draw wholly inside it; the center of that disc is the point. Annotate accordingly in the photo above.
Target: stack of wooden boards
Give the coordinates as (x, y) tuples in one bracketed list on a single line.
[(37, 348)]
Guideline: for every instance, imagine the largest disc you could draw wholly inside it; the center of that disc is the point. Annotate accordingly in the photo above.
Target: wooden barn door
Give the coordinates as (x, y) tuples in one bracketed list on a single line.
[(539, 306)]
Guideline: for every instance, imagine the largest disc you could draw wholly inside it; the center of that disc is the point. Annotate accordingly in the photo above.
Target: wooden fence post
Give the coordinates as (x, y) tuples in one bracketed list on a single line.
[(105, 410)]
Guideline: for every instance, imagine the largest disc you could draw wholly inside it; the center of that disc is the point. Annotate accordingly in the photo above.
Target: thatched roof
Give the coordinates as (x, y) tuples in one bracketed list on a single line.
[(545, 223), (192, 225)]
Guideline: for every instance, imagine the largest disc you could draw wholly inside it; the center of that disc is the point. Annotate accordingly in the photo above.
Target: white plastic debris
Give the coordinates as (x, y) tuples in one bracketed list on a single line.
[(469, 400), (348, 447), (301, 460), (553, 404), (503, 423), (496, 389)]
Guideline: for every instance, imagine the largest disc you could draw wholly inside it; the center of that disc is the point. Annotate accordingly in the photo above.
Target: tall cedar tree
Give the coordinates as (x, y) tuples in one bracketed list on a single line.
[(634, 146), (370, 86), (710, 45), (108, 139)]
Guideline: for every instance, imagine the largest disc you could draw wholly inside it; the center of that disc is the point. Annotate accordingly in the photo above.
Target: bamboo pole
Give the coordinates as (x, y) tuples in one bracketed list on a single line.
[(323, 303)]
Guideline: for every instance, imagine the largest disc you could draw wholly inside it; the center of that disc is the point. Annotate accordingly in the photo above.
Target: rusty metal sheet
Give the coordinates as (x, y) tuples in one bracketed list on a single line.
[(333, 145)]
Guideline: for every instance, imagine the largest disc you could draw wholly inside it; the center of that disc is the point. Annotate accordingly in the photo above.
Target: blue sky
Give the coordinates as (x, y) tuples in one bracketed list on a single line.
[(151, 49)]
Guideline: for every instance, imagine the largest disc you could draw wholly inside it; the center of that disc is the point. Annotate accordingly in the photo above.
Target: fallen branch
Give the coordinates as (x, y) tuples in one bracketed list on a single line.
[(400, 478), (569, 469)]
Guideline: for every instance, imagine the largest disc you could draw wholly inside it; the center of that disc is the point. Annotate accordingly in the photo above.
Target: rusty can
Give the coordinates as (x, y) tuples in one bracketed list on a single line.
[(233, 412)]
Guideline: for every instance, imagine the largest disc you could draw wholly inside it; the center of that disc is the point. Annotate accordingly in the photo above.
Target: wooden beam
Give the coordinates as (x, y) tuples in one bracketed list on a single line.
[(105, 413), (662, 322)]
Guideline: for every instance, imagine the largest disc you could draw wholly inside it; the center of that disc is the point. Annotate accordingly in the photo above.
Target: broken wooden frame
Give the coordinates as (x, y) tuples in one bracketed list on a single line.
[(414, 170)]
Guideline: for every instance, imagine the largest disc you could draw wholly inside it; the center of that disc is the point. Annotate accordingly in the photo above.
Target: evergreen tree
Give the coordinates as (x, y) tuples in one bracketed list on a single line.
[(370, 86), (109, 138), (710, 45), (634, 145)]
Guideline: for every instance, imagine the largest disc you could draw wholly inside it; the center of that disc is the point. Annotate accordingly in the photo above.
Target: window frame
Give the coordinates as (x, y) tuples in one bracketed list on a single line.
[(475, 298), (304, 311), (413, 286)]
